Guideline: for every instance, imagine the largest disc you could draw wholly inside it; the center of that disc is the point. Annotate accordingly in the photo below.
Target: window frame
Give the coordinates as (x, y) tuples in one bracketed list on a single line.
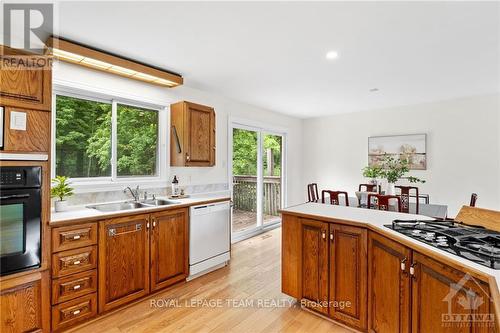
[(115, 182)]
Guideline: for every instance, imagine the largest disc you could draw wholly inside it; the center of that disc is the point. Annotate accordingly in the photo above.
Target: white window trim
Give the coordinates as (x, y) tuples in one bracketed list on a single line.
[(114, 183)]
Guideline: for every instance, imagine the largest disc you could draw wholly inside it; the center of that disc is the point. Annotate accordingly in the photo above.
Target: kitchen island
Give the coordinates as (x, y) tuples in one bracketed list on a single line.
[(343, 263)]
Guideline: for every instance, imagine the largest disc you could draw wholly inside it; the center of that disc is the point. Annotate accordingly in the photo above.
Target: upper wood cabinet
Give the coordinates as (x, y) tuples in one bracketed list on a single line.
[(26, 82), (192, 135), (36, 137)]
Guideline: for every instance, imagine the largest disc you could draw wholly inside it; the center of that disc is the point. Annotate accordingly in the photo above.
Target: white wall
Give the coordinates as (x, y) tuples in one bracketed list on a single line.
[(463, 148), (76, 76)]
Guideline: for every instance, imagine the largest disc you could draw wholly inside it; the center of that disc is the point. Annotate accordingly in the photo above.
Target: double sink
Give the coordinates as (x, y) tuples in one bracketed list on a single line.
[(130, 205)]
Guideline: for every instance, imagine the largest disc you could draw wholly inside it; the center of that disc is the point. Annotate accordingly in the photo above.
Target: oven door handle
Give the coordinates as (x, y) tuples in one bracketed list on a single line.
[(14, 196)]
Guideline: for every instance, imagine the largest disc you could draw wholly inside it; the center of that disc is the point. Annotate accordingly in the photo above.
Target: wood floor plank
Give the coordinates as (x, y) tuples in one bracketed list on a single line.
[(253, 276)]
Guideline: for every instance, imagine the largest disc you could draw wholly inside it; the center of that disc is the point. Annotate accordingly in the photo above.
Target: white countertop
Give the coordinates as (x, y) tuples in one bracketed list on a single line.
[(377, 219), (82, 212)]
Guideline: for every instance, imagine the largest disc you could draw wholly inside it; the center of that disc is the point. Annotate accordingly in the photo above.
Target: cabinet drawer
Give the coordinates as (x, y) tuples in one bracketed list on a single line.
[(72, 312), (73, 286), (74, 261), (75, 236)]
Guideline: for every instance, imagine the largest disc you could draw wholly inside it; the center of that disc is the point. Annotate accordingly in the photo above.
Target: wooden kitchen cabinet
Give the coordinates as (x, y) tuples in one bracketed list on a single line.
[(315, 265), (123, 260), (36, 137), (348, 275), (389, 288), (169, 248), (25, 303), (439, 292), (192, 135), (26, 80)]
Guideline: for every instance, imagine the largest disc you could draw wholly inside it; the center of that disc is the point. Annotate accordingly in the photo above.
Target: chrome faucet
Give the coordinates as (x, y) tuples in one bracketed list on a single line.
[(134, 193)]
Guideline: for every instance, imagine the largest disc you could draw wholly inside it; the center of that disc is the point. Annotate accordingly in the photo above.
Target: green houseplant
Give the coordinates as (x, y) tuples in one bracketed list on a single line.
[(395, 169), (61, 189)]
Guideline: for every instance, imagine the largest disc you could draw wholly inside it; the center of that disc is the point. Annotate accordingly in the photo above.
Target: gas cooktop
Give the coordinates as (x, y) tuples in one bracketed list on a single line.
[(474, 243)]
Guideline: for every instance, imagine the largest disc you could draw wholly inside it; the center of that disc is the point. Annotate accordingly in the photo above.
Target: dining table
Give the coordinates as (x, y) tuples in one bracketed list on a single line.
[(425, 208)]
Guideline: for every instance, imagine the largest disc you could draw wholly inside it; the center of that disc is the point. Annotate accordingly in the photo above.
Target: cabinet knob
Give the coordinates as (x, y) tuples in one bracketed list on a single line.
[(323, 235), (403, 264), (188, 158), (76, 237), (76, 312), (77, 262), (76, 287), (331, 236), (412, 270)]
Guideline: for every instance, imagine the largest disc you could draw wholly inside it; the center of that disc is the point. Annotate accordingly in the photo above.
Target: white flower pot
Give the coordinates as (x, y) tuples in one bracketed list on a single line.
[(61, 205), (390, 189)]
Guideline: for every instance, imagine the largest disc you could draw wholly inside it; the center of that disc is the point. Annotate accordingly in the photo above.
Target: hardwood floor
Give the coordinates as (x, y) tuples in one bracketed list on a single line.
[(254, 273)]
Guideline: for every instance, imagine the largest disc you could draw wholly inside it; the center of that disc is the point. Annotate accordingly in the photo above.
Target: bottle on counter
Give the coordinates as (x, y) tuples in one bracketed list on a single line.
[(175, 187)]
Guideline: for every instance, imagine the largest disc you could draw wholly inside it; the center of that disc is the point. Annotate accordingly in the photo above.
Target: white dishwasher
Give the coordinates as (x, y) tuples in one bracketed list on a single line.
[(209, 237)]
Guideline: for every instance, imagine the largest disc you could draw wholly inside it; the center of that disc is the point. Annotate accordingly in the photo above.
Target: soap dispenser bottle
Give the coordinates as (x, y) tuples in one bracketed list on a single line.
[(175, 187)]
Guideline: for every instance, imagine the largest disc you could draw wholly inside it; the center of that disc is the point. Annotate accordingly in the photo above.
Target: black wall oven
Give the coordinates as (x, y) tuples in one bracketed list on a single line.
[(20, 218)]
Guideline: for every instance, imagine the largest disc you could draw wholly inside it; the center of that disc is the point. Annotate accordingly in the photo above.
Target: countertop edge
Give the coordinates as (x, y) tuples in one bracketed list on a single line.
[(141, 211)]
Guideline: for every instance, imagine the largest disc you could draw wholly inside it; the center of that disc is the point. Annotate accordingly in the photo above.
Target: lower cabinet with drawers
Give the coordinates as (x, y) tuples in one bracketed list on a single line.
[(100, 266)]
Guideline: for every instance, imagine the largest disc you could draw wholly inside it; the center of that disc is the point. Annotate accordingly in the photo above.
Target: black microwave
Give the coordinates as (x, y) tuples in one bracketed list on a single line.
[(20, 218)]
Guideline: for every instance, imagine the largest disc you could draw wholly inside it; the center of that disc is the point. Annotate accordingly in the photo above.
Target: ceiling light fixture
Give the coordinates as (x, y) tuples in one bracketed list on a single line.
[(331, 55), (88, 57)]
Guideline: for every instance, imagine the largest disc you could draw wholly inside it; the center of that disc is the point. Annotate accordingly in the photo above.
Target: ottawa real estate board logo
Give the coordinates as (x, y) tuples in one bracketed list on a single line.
[(467, 307)]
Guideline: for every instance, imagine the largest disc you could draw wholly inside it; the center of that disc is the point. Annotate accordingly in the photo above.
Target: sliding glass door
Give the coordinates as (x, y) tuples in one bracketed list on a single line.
[(257, 173)]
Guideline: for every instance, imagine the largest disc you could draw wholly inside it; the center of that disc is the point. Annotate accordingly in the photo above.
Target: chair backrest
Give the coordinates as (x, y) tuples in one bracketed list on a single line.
[(473, 199), (382, 202), (369, 188), (312, 192), (405, 198), (334, 197)]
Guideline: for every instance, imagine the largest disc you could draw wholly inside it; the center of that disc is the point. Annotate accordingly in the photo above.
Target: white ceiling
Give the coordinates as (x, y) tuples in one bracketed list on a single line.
[(273, 54)]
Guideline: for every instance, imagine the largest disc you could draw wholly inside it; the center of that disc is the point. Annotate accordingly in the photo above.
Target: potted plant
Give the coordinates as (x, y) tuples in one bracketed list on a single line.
[(372, 172), (61, 189), (395, 169)]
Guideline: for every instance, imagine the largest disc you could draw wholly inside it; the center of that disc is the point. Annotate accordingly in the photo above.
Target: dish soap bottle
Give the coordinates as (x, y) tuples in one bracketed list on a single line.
[(175, 187)]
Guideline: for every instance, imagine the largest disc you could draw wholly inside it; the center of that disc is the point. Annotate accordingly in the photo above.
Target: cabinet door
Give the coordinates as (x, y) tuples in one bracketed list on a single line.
[(169, 248), (25, 304), (200, 124), (26, 82), (34, 139), (445, 300), (315, 265), (388, 285), (348, 275), (123, 260)]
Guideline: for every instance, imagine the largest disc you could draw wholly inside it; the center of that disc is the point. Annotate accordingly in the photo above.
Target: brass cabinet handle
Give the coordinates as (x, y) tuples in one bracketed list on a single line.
[(76, 287), (76, 312), (188, 158), (77, 262), (331, 236), (403, 264), (323, 234), (412, 270), (76, 237)]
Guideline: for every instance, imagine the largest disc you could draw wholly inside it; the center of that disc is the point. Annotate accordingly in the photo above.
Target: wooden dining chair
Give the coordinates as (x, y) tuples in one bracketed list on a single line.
[(369, 188), (334, 197), (382, 201), (405, 198), (312, 192), (473, 199)]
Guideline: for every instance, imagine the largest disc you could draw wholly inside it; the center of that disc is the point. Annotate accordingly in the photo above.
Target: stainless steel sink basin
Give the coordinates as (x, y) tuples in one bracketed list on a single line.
[(116, 206), (159, 202)]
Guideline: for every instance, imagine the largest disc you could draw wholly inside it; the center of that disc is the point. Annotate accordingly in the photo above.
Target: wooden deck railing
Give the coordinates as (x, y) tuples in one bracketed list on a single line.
[(245, 194)]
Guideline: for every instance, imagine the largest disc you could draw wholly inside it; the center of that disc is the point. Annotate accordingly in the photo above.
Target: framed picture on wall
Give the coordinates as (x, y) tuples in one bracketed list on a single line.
[(412, 147)]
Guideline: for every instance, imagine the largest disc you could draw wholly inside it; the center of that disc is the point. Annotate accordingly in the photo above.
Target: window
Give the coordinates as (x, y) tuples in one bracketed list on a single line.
[(84, 139)]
